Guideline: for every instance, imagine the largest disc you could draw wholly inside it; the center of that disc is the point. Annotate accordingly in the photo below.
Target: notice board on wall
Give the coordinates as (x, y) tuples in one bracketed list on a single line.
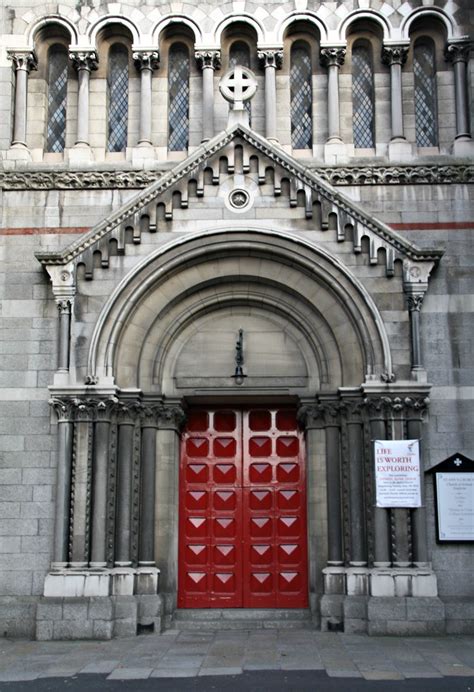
[(397, 473), (454, 494)]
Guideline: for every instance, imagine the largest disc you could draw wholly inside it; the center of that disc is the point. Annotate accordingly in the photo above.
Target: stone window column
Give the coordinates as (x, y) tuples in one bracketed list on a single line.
[(23, 62), (208, 61), (395, 57), (84, 62), (64, 410), (271, 61), (458, 54), (333, 58), (123, 521), (64, 332), (145, 62)]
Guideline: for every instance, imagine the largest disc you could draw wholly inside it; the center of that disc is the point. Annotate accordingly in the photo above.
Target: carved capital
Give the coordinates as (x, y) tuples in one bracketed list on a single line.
[(63, 408), (104, 409), (329, 57), (146, 60), (170, 417), (417, 406), (208, 58), (84, 60), (415, 301), (128, 411), (270, 58), (394, 55), (458, 52), (84, 409), (64, 306), (310, 416), (23, 60)]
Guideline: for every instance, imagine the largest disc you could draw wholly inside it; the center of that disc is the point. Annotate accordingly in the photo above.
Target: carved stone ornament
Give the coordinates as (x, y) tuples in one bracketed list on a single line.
[(208, 58), (329, 57), (146, 59), (320, 414), (63, 408), (64, 306), (84, 60), (23, 60), (394, 55), (415, 301), (171, 417), (458, 52), (270, 58)]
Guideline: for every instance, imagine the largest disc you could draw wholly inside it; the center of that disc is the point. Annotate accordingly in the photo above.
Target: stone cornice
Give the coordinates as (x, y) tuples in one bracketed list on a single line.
[(432, 174), (326, 194)]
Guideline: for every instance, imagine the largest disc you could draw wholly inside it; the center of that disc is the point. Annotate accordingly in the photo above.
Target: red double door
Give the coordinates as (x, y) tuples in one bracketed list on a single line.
[(242, 521)]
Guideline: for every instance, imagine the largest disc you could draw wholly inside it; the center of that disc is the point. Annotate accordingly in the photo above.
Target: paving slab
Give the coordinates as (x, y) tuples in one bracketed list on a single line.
[(229, 670), (130, 674)]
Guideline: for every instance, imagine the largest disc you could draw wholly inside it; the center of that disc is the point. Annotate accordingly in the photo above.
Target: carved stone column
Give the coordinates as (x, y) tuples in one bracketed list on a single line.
[(123, 524), (458, 54), (395, 57), (150, 416), (23, 62), (333, 58), (415, 301), (81, 483), (64, 412), (64, 332), (271, 60), (416, 408), (145, 62), (355, 461), (208, 61), (104, 409), (84, 62)]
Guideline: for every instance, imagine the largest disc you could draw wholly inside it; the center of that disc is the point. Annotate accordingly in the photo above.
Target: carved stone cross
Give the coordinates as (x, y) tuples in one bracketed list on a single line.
[(236, 86)]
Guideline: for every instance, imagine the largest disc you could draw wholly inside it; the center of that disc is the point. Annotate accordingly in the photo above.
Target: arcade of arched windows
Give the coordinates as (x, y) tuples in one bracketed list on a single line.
[(113, 98)]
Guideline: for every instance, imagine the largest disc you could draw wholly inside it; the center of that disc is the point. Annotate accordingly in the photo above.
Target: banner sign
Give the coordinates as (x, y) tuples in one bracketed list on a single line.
[(397, 473), (455, 495)]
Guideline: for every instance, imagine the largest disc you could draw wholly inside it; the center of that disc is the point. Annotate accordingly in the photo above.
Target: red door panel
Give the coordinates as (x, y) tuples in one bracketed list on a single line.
[(242, 523)]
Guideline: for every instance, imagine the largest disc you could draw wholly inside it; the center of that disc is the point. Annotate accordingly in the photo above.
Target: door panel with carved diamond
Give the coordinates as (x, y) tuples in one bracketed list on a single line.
[(242, 533)]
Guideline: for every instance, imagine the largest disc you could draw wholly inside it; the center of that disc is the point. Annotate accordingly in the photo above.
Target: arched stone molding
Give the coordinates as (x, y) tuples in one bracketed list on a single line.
[(51, 20), (239, 18), (370, 15), (101, 23), (428, 12), (310, 17), (351, 302), (169, 19)]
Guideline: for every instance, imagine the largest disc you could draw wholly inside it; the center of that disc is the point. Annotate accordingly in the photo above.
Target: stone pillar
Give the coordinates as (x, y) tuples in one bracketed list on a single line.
[(84, 62), (415, 301), (333, 475), (145, 62), (123, 522), (333, 58), (355, 461), (415, 285), (382, 558), (271, 60), (208, 61), (416, 408), (149, 421), (103, 412), (458, 54), (23, 62), (64, 333), (64, 412)]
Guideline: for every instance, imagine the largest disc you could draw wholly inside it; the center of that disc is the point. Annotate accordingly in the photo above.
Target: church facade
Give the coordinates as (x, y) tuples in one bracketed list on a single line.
[(236, 251)]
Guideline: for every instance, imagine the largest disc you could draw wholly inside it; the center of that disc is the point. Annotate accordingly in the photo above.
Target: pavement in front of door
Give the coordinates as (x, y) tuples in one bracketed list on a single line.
[(180, 654)]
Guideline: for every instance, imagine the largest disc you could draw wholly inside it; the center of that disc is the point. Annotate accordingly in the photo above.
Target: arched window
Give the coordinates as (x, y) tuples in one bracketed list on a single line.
[(239, 54), (117, 92), (426, 116), (301, 94), (57, 92), (178, 97), (362, 96)]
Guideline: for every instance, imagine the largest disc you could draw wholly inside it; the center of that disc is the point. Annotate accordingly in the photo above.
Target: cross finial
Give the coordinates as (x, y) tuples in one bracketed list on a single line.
[(236, 86)]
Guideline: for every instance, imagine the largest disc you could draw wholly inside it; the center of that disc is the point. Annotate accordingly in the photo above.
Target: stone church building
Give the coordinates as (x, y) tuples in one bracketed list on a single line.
[(236, 249)]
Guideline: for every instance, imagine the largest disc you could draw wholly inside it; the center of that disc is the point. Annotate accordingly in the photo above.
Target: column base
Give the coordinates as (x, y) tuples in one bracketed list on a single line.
[(463, 146), (18, 152), (335, 151), (80, 153), (72, 582), (143, 152), (399, 149)]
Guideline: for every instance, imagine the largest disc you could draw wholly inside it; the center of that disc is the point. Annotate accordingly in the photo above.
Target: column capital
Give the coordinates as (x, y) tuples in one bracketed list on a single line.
[(170, 417), (104, 408), (128, 410), (416, 276), (458, 52), (271, 57), (84, 60), (415, 301), (63, 408), (64, 305), (146, 59), (332, 56), (394, 55), (23, 59), (208, 59)]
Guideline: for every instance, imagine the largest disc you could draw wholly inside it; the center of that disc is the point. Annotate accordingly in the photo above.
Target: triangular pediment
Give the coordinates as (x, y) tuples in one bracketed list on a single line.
[(346, 218)]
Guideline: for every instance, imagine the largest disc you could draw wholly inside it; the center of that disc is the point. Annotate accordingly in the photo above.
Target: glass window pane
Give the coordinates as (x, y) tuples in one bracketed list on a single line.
[(426, 120), (240, 55), (178, 98), (57, 93), (301, 94), (118, 98), (362, 97)]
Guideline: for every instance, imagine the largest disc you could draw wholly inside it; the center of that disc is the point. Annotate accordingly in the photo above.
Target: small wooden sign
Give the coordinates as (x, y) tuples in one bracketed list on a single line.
[(454, 495)]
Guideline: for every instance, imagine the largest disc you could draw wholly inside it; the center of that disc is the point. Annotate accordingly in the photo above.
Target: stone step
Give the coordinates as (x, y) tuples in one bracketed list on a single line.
[(241, 619)]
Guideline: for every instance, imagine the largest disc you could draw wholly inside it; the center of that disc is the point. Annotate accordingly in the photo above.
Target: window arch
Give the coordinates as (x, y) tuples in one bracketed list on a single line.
[(117, 96), (363, 101), (178, 97), (239, 54), (57, 94), (301, 97), (426, 112)]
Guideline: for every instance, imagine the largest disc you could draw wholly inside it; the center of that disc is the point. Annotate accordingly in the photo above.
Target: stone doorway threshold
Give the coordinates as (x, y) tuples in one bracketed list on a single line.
[(211, 619)]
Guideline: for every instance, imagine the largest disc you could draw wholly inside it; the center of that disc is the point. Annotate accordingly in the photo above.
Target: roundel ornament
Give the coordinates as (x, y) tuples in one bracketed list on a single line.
[(238, 85)]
